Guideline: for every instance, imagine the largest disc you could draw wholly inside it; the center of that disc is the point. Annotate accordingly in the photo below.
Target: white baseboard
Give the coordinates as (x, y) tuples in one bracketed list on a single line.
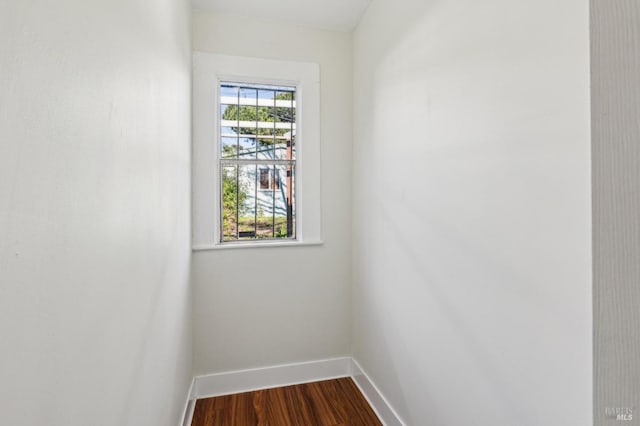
[(376, 399), (290, 374), (270, 377), (187, 413)]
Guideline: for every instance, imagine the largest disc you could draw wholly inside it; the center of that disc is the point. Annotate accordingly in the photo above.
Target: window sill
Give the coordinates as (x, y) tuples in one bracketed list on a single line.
[(251, 244)]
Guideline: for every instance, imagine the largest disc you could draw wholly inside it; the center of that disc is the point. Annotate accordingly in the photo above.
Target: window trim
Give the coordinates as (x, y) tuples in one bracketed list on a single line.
[(209, 70)]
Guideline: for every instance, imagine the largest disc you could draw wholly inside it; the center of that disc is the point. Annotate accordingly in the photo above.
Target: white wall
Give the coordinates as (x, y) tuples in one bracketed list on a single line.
[(94, 212), (471, 211), (615, 70), (268, 306)]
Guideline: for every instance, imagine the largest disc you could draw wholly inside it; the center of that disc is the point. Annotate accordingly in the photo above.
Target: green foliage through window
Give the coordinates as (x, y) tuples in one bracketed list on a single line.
[(262, 114)]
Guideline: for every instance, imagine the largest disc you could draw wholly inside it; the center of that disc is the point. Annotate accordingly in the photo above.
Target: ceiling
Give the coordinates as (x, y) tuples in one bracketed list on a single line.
[(339, 15)]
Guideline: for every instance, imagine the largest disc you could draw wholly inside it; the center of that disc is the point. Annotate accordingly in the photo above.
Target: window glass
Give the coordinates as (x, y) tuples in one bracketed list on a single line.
[(257, 161)]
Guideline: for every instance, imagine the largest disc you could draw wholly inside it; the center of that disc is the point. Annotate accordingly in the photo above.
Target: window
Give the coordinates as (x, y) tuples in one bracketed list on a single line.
[(256, 152), (257, 146), (270, 179)]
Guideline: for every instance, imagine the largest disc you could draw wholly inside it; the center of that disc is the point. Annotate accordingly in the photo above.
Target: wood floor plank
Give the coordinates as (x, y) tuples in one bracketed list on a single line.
[(358, 409), (325, 400), (335, 402)]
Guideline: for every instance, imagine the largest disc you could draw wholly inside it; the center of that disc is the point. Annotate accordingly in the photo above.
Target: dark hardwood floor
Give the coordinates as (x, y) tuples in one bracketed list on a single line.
[(328, 403)]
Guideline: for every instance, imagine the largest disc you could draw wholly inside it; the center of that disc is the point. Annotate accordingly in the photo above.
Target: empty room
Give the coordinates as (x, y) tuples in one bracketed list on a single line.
[(319, 213)]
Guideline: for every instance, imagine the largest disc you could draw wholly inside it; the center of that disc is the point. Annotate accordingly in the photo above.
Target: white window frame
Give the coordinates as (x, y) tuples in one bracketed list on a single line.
[(209, 70)]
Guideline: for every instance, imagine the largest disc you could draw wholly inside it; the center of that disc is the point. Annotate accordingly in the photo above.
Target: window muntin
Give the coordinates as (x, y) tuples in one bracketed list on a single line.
[(257, 162)]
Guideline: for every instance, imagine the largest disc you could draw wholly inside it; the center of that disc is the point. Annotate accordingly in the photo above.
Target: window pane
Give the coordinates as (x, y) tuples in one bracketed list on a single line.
[(266, 219), (261, 200), (282, 150), (248, 206), (226, 132), (228, 91), (285, 112), (268, 95), (248, 94), (266, 145), (229, 203), (267, 142), (284, 203), (265, 115), (247, 143), (229, 112), (248, 113), (229, 147)]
